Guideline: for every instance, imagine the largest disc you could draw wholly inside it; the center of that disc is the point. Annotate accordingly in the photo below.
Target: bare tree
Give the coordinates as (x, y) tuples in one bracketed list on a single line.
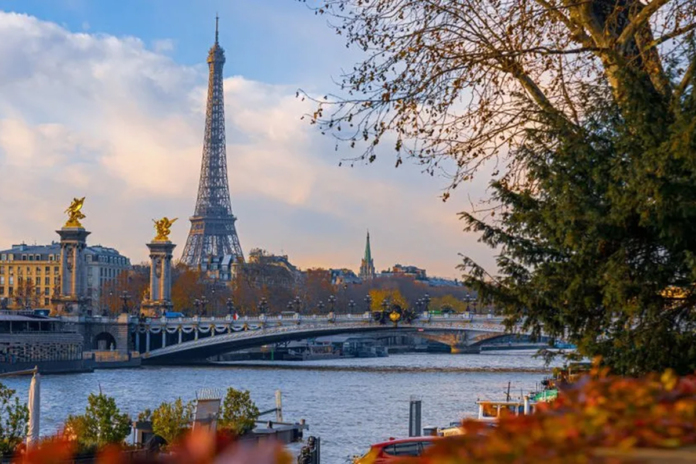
[(465, 80)]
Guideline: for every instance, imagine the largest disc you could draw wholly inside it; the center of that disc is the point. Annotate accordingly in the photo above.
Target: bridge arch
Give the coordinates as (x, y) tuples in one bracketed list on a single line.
[(104, 341)]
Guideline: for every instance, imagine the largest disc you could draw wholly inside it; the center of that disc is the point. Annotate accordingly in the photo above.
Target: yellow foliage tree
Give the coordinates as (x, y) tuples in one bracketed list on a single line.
[(378, 296), (448, 301)]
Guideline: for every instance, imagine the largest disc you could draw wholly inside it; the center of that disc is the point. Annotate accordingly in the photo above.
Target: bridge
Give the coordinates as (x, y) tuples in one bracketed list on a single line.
[(166, 341), (182, 340)]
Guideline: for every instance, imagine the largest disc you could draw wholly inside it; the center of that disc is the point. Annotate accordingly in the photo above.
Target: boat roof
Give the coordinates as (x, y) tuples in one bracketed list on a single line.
[(6, 317), (24, 318), (407, 440)]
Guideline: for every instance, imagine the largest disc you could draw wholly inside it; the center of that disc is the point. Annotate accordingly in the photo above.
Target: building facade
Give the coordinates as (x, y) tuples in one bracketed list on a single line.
[(399, 270), (30, 274)]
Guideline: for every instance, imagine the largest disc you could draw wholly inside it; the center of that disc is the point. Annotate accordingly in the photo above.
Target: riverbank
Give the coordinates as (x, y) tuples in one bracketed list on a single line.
[(307, 366)]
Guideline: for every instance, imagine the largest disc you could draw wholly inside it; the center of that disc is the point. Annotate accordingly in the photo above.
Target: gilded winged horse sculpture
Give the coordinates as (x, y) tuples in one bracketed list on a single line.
[(163, 228), (74, 212)]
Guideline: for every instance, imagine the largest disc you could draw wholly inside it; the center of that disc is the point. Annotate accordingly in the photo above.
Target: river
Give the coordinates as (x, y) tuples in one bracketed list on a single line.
[(349, 403)]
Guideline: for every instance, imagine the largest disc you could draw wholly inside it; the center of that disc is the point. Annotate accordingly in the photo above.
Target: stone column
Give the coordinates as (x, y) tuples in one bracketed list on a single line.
[(73, 269), (160, 298)]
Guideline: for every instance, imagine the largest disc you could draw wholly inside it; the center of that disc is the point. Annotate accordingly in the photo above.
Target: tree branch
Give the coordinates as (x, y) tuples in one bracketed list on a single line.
[(688, 77), (671, 35), (639, 20)]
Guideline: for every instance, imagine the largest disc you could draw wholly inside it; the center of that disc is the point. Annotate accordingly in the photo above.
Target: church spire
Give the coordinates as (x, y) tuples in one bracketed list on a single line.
[(368, 252), (367, 267)]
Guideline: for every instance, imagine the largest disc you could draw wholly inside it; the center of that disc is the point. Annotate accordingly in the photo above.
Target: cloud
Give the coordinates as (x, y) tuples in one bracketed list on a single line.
[(108, 118), (163, 45)]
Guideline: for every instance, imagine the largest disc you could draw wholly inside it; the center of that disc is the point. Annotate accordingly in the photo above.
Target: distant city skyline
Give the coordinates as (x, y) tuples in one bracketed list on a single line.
[(96, 104)]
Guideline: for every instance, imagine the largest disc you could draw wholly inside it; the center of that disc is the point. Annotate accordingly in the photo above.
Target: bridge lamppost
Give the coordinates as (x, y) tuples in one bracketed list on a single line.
[(197, 305), (298, 304), (320, 306), (230, 306), (204, 302), (263, 305), (351, 306), (125, 296), (332, 302), (368, 303), (426, 301)]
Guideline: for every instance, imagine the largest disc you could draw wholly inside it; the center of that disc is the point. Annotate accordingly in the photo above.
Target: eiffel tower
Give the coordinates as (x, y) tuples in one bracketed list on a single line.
[(212, 226)]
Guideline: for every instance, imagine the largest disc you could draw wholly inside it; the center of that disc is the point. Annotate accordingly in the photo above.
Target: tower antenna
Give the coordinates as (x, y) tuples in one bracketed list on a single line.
[(217, 19)]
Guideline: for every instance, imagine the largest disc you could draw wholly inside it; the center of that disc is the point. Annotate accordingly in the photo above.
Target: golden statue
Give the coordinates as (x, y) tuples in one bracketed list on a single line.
[(74, 213), (163, 227)]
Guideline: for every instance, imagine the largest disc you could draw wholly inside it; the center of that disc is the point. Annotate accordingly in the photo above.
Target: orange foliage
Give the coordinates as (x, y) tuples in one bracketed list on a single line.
[(596, 413), (195, 448)]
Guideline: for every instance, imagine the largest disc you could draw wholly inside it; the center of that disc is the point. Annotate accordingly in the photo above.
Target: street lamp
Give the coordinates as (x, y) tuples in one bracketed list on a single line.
[(368, 302), (230, 306), (262, 306), (197, 305), (332, 302), (298, 304), (426, 300), (385, 304), (351, 306), (125, 296), (320, 305), (204, 302)]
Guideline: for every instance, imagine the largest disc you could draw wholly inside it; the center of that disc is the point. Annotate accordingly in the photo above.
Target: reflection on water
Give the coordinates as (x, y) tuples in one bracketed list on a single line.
[(349, 403)]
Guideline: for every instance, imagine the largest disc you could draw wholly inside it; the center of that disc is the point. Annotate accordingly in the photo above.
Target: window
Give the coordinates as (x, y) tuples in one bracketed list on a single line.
[(2, 290), (56, 270), (2, 280), (29, 281), (38, 271), (48, 269), (37, 257), (28, 270), (24, 257), (38, 291), (45, 301), (50, 257), (404, 449), (11, 281), (10, 290), (46, 291), (3, 257), (2, 270), (47, 281)]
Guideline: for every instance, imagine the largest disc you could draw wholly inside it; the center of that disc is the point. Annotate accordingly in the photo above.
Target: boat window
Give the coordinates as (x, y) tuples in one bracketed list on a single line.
[(404, 449), (490, 410)]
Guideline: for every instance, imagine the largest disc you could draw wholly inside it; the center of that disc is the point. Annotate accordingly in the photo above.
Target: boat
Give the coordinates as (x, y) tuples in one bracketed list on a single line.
[(311, 352)]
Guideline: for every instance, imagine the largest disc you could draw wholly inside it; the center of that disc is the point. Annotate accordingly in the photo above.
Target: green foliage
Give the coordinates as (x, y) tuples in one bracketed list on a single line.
[(605, 225), (239, 412), (100, 425), (14, 418), (171, 420), (145, 416)]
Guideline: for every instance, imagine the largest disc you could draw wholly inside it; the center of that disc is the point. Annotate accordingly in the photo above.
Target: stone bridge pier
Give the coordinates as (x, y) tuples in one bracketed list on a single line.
[(464, 341), (106, 335)]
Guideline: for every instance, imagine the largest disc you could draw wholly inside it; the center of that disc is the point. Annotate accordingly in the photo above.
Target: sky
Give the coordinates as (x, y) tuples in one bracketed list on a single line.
[(106, 100)]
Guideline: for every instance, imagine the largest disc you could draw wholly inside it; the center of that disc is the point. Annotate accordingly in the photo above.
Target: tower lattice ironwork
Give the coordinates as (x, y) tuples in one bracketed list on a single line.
[(213, 232)]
